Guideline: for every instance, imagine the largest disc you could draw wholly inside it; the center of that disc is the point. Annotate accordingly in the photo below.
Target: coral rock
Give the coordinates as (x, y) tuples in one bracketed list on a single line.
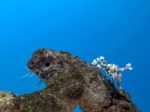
[(69, 82)]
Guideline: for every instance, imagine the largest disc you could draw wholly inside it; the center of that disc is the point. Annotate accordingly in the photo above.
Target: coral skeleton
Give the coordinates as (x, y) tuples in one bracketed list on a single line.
[(112, 70)]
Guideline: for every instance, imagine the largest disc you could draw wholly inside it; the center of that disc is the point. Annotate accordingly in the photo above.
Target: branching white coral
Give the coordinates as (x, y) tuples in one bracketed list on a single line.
[(112, 70)]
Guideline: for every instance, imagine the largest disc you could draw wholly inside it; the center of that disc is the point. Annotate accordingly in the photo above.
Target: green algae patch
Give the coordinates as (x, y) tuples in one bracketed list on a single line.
[(9, 102), (6, 98), (40, 102)]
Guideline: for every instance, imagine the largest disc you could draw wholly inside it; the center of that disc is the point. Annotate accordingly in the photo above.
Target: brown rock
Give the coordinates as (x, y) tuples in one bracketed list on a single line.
[(71, 81)]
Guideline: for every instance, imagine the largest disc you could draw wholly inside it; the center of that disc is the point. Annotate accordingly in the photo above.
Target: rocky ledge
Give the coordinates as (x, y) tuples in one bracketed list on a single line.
[(69, 82)]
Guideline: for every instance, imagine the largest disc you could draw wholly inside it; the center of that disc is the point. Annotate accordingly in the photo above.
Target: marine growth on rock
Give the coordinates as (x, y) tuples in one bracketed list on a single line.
[(69, 82), (112, 70)]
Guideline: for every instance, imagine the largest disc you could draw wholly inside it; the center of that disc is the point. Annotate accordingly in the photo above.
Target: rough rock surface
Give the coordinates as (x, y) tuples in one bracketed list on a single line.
[(69, 82)]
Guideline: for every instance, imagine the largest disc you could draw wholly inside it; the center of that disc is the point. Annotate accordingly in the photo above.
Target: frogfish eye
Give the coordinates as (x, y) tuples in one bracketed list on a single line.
[(47, 64), (46, 61)]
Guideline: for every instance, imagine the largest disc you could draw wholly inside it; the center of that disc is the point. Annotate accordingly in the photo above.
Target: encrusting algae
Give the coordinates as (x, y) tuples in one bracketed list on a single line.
[(69, 82)]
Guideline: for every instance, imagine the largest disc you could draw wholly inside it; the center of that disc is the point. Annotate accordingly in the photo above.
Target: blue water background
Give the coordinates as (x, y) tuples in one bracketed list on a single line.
[(116, 29)]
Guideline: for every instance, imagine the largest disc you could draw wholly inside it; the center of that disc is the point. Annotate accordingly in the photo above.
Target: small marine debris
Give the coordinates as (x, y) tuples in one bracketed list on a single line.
[(112, 70)]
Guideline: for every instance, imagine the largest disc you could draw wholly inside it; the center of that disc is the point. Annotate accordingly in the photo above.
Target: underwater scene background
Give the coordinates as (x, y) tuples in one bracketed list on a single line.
[(116, 29)]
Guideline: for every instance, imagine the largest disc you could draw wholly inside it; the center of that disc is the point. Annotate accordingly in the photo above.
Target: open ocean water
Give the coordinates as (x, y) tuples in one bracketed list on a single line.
[(116, 29)]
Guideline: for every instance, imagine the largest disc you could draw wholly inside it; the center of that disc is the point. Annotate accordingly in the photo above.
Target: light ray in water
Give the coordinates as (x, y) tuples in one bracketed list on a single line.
[(29, 74), (24, 76)]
